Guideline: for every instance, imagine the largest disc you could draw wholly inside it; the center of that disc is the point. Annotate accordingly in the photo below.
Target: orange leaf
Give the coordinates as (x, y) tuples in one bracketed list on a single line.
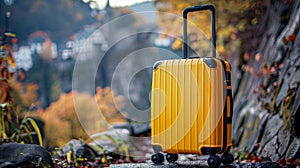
[(291, 38)]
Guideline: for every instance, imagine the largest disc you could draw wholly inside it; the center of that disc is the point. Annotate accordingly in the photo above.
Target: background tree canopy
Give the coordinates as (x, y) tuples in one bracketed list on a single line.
[(59, 18), (232, 18)]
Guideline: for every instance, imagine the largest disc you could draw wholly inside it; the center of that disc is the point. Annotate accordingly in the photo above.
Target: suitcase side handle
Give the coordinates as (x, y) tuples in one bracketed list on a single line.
[(213, 29)]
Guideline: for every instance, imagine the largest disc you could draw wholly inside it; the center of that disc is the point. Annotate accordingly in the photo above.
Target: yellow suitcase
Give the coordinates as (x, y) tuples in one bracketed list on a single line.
[(192, 104)]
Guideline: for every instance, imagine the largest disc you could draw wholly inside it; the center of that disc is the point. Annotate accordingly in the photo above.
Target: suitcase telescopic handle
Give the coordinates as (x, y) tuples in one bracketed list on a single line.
[(213, 33)]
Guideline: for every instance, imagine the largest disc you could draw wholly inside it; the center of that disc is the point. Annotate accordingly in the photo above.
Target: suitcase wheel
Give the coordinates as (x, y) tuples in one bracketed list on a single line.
[(214, 161), (227, 158), (171, 157), (157, 158)]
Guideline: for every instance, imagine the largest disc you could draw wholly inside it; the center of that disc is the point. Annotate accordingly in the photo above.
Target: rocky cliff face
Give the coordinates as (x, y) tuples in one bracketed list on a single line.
[(267, 99)]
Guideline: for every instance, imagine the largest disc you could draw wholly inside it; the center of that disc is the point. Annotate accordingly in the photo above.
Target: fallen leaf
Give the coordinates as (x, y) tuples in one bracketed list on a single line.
[(282, 162), (291, 38)]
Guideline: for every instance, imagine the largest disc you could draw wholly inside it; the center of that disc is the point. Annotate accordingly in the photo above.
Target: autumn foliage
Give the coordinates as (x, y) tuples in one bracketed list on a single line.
[(24, 95), (107, 101), (67, 119), (232, 18)]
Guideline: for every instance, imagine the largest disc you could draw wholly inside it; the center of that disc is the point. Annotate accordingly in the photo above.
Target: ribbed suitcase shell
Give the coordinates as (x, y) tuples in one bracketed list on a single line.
[(191, 106)]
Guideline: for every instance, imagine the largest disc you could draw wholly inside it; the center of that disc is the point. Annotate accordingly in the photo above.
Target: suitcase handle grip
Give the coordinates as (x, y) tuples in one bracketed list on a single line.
[(213, 33)]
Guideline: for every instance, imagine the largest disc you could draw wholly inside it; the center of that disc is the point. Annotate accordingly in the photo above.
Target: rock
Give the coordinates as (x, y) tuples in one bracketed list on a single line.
[(295, 80), (250, 129), (270, 149), (296, 104), (134, 129), (285, 86), (119, 143), (125, 127), (7, 165), (24, 155), (239, 105), (81, 150), (257, 165), (273, 126), (296, 52), (298, 61), (281, 55), (259, 131), (293, 150), (269, 144), (106, 144), (141, 129), (284, 138), (240, 116), (295, 114)]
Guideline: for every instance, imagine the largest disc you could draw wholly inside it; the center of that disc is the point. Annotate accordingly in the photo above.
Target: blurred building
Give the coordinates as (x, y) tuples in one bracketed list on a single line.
[(39, 43), (84, 43)]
